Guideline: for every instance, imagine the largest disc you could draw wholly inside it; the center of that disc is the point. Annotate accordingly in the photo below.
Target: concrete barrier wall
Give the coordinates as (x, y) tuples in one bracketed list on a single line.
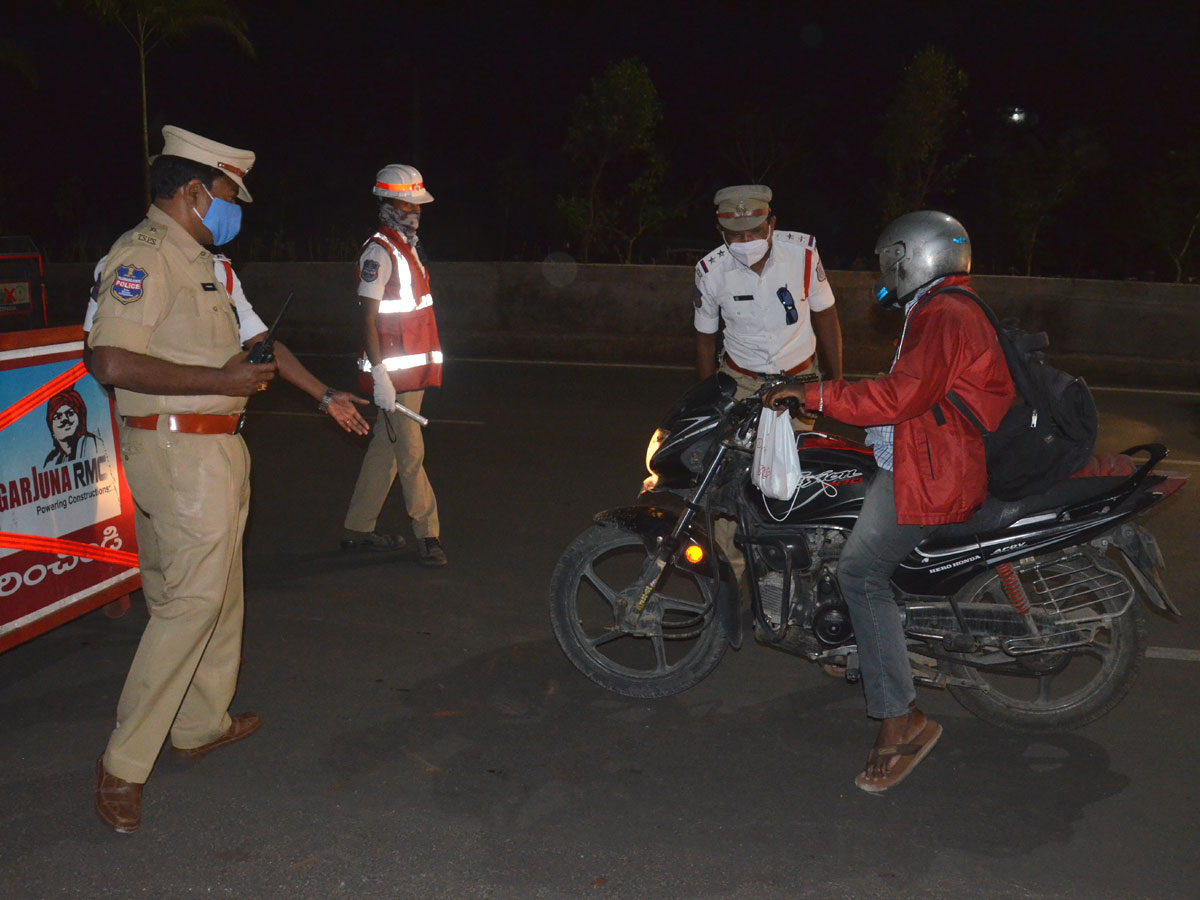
[(1110, 332)]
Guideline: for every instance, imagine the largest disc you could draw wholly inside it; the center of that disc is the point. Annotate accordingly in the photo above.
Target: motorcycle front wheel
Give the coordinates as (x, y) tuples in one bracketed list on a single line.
[(1068, 688), (679, 642)]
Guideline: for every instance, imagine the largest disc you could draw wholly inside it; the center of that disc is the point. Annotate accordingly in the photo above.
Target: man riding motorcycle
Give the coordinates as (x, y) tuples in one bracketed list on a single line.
[(932, 468)]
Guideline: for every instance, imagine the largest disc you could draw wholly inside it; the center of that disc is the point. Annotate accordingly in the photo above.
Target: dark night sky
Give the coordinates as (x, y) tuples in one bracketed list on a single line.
[(330, 98)]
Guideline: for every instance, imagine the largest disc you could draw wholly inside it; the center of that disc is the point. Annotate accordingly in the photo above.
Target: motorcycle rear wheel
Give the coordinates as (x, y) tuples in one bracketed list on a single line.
[(679, 652), (1057, 691)]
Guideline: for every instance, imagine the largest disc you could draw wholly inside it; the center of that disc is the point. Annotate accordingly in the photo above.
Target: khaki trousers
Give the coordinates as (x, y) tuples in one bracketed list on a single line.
[(384, 461), (724, 529), (192, 494)]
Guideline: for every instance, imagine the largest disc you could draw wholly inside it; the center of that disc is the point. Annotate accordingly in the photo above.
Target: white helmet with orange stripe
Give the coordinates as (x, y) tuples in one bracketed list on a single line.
[(402, 182)]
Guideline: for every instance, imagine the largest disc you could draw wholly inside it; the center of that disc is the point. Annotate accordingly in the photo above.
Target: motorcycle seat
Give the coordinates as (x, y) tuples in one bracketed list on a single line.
[(996, 514)]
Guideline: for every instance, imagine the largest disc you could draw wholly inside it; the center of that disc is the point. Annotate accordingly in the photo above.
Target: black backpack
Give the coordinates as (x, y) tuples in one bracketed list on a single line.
[(1050, 432)]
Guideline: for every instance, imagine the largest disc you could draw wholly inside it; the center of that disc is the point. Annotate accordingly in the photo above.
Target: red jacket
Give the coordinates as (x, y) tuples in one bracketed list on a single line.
[(939, 466)]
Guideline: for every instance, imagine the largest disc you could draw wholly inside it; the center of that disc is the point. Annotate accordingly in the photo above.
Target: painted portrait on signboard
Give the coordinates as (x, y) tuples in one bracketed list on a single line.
[(66, 419)]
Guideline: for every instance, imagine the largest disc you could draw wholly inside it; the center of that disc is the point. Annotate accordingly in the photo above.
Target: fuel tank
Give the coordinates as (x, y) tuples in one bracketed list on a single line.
[(833, 482)]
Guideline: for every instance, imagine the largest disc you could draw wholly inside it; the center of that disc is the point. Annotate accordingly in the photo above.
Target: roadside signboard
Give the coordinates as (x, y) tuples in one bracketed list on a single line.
[(67, 543)]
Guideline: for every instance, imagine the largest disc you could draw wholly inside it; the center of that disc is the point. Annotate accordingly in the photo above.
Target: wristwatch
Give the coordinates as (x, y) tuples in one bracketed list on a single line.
[(324, 405)]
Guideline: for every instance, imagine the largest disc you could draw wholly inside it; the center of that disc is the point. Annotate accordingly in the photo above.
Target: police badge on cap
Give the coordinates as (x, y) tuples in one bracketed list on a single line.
[(742, 206)]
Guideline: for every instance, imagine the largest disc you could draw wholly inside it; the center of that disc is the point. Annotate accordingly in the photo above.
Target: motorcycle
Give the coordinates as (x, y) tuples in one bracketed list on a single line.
[(1028, 613)]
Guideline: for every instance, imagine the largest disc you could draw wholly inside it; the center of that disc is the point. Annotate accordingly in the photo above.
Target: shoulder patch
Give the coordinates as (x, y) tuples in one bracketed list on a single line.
[(697, 298), (369, 270), (820, 271), (129, 284), (145, 237)]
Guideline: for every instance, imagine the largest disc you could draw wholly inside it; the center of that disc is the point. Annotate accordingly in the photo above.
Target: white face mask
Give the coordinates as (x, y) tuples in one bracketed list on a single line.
[(750, 252)]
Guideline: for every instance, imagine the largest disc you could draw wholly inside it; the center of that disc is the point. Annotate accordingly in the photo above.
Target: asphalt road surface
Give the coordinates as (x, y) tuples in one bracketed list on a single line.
[(424, 737)]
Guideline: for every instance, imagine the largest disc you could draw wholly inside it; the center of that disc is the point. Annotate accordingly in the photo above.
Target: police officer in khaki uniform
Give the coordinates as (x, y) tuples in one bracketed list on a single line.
[(165, 336)]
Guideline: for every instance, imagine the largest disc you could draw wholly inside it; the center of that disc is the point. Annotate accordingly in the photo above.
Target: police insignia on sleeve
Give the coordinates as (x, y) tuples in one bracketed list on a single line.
[(129, 284), (697, 298), (820, 272), (369, 270)]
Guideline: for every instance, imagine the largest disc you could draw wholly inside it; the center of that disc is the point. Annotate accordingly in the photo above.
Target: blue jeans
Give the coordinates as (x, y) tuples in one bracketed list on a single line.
[(875, 547)]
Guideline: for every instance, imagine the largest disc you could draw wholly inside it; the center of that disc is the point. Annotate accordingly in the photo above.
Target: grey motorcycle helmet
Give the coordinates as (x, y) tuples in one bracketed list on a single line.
[(917, 248)]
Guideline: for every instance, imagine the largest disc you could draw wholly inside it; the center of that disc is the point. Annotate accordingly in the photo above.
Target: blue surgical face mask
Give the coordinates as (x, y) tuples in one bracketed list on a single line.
[(223, 219)]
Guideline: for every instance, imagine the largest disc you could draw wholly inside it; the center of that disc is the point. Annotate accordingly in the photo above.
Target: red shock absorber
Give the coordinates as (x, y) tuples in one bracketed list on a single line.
[(1013, 589)]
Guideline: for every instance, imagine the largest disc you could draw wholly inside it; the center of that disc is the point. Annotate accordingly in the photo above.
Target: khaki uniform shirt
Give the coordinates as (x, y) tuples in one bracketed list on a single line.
[(157, 296)]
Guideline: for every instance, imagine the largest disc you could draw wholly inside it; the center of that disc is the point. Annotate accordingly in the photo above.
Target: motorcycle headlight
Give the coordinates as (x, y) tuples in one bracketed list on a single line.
[(656, 441)]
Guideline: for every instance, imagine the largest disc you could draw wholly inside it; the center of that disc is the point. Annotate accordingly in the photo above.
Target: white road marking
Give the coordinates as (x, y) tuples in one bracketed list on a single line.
[(1166, 392), (1175, 653), (687, 368), (571, 364), (318, 415)]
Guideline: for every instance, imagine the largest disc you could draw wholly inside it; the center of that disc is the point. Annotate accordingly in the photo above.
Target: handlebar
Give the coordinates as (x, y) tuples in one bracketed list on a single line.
[(748, 408)]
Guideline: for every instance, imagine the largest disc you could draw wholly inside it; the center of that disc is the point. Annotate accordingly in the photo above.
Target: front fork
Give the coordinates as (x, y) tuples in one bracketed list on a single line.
[(655, 567)]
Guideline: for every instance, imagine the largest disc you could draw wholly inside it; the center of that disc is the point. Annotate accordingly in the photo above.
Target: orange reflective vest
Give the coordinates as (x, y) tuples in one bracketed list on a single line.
[(408, 338)]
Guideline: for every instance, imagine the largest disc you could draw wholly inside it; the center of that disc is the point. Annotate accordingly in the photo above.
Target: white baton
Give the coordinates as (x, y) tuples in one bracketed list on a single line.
[(415, 416)]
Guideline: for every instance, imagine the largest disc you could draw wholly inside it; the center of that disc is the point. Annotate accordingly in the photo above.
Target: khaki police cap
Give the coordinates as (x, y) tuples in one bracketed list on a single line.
[(742, 206), (231, 161)]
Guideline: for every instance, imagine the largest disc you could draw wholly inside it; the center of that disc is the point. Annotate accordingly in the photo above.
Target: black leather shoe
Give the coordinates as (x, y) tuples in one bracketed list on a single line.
[(431, 551), (369, 540)]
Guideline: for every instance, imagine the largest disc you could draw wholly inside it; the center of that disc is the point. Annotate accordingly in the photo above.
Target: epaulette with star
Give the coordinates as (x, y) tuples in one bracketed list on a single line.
[(705, 265), (798, 238)]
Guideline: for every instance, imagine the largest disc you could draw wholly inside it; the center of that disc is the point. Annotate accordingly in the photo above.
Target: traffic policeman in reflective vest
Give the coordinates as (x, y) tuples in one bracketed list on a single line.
[(400, 358)]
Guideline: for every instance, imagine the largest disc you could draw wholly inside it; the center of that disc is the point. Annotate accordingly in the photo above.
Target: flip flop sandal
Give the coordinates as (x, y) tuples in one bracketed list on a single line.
[(910, 754), (380, 543)]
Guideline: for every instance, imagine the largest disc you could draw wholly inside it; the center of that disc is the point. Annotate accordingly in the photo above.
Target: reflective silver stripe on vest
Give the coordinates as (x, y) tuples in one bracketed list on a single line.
[(407, 301), (405, 304), (399, 363)]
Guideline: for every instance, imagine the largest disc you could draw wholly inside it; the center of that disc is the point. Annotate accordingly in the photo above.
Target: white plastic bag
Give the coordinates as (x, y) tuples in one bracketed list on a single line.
[(776, 467)]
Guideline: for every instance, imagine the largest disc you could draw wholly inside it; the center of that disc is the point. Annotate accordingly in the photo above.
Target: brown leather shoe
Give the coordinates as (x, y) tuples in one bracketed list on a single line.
[(118, 802), (241, 726)]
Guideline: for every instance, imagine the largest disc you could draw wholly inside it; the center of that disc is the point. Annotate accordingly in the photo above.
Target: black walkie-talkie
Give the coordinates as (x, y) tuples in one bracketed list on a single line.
[(264, 350)]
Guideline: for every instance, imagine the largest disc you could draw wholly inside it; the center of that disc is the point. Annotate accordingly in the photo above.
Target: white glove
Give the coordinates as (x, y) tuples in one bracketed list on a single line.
[(385, 391)]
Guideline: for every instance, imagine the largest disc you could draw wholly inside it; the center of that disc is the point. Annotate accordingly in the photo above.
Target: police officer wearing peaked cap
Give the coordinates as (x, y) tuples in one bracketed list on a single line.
[(770, 289), (165, 336)]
